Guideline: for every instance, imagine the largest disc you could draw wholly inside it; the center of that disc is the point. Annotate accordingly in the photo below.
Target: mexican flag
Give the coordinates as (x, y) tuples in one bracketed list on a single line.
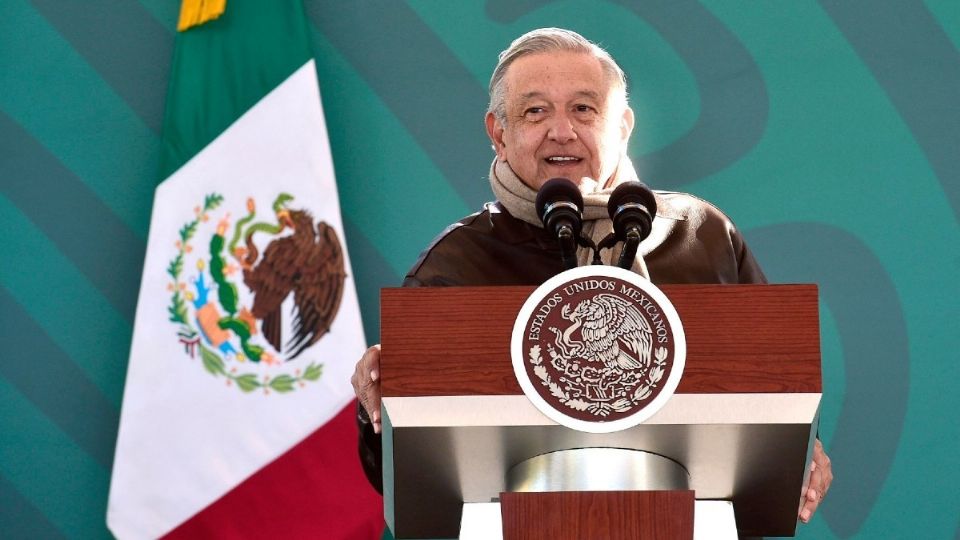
[(237, 415)]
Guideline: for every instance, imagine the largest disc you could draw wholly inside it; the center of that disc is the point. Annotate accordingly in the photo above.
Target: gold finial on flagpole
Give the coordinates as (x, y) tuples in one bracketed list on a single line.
[(196, 12)]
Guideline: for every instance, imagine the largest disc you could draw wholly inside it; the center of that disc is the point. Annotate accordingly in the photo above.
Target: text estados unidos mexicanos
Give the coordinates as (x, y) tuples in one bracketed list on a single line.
[(656, 318)]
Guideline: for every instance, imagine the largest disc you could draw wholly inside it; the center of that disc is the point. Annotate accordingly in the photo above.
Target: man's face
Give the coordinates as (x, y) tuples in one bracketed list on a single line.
[(563, 120)]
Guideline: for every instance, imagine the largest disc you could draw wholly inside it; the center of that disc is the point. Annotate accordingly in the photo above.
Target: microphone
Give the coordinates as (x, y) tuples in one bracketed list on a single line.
[(560, 208), (632, 208)]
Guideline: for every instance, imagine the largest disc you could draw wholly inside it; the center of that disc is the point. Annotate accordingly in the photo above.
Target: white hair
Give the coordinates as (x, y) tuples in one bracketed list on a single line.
[(545, 40)]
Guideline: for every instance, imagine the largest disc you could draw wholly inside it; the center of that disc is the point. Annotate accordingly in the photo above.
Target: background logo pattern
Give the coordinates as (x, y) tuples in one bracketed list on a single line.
[(827, 130)]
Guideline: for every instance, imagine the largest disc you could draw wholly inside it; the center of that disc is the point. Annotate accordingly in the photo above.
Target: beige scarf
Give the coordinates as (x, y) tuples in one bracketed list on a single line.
[(519, 199)]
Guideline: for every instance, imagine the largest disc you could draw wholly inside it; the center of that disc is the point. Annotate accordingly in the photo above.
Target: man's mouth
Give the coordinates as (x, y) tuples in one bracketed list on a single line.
[(563, 160)]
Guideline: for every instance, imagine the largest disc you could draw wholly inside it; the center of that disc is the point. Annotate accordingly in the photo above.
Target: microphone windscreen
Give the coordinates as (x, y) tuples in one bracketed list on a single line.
[(632, 192), (556, 190)]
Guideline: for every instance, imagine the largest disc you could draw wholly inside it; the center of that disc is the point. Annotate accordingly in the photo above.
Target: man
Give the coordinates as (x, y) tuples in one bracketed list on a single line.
[(558, 108)]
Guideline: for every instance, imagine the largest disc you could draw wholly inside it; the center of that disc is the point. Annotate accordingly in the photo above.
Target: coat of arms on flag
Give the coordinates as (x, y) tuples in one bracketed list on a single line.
[(240, 286)]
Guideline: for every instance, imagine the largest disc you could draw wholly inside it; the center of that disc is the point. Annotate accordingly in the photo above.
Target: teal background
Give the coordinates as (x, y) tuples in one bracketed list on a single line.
[(829, 131)]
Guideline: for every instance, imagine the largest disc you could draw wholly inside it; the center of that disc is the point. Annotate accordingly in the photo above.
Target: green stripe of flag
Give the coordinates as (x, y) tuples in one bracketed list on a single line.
[(222, 68)]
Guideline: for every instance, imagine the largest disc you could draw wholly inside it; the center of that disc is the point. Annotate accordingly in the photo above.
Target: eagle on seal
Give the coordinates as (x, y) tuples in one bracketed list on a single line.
[(612, 328), (308, 264)]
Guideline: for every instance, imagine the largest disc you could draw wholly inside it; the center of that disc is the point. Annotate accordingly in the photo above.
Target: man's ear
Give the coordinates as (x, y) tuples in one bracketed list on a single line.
[(495, 132), (626, 124)]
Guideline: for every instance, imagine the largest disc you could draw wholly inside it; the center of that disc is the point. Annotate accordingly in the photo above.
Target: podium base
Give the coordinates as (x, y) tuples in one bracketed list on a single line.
[(712, 520)]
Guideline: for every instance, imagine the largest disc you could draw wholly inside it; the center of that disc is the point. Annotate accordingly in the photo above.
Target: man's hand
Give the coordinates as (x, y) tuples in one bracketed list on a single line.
[(821, 476), (366, 384)]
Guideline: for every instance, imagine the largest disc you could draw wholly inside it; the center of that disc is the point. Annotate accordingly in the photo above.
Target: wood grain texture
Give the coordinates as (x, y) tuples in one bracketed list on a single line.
[(613, 515), (740, 339)]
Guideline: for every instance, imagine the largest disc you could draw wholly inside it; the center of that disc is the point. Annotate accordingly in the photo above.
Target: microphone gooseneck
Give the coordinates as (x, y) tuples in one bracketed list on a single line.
[(560, 208)]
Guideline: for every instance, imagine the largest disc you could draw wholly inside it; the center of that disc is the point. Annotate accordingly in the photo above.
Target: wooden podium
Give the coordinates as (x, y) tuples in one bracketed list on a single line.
[(742, 422)]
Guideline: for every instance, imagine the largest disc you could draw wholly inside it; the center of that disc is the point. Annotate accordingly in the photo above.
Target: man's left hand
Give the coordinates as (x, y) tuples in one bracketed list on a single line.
[(821, 476)]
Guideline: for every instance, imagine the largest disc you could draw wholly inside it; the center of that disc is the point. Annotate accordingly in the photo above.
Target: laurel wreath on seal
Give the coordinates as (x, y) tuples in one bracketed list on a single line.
[(654, 375), (190, 337)]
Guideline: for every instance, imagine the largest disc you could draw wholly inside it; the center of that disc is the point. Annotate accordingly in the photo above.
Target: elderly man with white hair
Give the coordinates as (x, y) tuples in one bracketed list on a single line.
[(558, 108)]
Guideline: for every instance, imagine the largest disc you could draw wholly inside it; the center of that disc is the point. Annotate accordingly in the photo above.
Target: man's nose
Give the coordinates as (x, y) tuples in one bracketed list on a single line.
[(561, 129)]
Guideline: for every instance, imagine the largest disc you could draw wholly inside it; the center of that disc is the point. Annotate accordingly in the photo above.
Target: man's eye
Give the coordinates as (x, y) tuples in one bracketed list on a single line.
[(583, 108), (534, 110)]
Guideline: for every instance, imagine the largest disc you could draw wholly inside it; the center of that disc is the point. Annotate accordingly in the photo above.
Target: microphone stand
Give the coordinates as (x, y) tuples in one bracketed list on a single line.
[(630, 245), (608, 242), (588, 243), (568, 248)]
